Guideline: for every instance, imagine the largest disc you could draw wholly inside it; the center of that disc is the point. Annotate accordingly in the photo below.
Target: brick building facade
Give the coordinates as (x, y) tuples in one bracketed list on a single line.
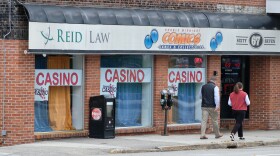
[(17, 73)]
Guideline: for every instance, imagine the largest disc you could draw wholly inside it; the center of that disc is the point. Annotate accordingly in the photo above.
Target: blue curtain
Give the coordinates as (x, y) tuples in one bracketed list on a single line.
[(128, 108), (41, 119), (186, 103)]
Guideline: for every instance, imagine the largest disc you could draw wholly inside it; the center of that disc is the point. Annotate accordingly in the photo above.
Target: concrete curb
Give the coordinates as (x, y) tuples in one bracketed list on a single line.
[(199, 147), (116, 151)]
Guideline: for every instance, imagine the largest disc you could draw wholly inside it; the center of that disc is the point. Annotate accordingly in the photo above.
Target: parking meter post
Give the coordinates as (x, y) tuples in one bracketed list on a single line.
[(165, 121)]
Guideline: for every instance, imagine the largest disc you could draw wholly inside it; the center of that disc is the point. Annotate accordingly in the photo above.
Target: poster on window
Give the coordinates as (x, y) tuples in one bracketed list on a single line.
[(54, 77), (184, 75), (111, 76)]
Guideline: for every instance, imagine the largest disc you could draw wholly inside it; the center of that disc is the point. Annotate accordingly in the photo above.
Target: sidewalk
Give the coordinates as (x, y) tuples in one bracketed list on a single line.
[(139, 143)]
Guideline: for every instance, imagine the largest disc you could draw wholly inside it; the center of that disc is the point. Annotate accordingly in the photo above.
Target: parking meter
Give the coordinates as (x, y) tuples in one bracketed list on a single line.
[(163, 99), (169, 98), (166, 100)]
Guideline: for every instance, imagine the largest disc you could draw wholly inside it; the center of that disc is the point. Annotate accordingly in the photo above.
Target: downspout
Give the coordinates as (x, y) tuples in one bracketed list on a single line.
[(3, 133)]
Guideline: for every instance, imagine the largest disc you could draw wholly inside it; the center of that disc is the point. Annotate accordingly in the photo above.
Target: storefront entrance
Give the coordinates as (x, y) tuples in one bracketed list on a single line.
[(233, 69)]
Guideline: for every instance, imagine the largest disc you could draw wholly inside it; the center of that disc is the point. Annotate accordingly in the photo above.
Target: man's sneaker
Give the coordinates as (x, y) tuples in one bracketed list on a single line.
[(219, 136), (231, 137), (241, 138), (203, 137)]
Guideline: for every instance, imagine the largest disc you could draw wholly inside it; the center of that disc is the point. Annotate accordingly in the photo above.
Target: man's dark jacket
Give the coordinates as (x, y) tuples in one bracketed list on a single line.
[(207, 92)]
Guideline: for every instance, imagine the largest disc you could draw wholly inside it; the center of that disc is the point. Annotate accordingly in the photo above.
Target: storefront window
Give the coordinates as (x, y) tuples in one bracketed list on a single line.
[(58, 93), (186, 75), (128, 79)]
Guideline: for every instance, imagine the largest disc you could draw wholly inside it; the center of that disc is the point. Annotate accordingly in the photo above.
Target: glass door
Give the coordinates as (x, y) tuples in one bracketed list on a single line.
[(233, 69)]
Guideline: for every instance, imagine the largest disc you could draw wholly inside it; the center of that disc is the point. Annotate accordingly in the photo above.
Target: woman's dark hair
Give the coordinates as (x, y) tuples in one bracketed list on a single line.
[(237, 87)]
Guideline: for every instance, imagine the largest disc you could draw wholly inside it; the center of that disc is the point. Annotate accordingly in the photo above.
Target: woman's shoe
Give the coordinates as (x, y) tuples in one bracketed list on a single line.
[(231, 137), (241, 138)]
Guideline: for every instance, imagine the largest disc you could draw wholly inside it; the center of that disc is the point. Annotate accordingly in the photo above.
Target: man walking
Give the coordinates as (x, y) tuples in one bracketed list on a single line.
[(210, 106)]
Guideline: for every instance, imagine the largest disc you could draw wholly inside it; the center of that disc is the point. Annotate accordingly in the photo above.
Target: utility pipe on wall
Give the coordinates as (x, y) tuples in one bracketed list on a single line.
[(3, 133)]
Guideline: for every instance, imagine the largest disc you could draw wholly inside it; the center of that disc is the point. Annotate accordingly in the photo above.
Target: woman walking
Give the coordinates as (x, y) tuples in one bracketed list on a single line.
[(239, 101)]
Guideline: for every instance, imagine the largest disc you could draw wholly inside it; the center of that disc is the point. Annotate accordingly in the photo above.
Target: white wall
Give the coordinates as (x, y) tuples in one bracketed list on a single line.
[(77, 97), (272, 6)]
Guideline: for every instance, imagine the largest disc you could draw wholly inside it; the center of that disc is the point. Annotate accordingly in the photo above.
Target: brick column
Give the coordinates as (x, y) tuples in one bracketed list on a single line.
[(264, 91), (259, 92), (19, 93), (274, 105), (91, 83), (213, 64), (160, 82)]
